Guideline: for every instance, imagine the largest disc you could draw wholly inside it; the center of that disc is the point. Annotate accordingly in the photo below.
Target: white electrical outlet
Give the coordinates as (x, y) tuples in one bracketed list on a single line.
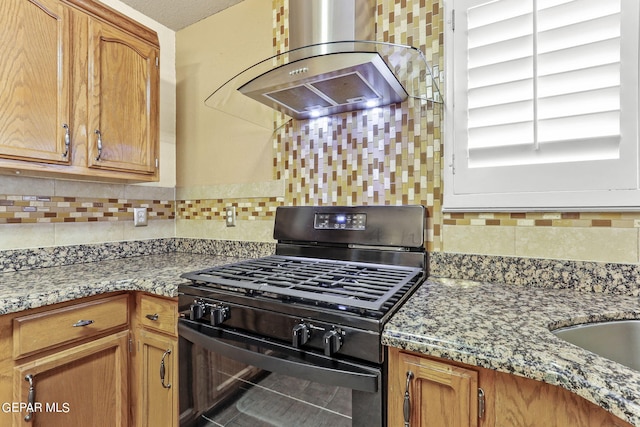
[(140, 217), (230, 216)]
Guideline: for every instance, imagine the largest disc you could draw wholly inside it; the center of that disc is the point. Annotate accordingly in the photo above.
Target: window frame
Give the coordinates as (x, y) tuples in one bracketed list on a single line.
[(584, 189)]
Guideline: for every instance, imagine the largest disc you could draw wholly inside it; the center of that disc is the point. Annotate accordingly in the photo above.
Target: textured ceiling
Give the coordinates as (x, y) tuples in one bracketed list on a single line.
[(177, 14)]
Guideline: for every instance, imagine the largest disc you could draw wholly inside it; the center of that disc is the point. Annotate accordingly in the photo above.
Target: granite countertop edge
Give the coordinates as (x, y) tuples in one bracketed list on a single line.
[(491, 325), (508, 328), (155, 274)]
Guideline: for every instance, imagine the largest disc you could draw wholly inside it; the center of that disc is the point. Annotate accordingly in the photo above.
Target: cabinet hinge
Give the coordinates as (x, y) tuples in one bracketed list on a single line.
[(130, 345), (452, 165), (481, 403), (157, 62), (157, 163), (453, 20)]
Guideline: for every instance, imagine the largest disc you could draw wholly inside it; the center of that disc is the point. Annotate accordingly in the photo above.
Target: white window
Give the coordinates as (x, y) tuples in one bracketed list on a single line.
[(542, 104)]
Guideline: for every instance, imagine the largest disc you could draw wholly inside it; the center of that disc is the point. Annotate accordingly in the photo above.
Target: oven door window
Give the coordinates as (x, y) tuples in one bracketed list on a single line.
[(232, 379)]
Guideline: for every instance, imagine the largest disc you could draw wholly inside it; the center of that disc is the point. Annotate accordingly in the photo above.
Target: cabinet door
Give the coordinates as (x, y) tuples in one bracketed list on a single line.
[(158, 380), (440, 395), (123, 101), (85, 385), (34, 80), (526, 402)]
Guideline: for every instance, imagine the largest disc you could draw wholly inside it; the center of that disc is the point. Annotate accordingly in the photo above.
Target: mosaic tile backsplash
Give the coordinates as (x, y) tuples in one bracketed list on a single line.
[(391, 155)]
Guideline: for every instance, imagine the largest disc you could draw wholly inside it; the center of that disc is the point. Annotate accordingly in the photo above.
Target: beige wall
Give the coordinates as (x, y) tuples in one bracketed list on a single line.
[(214, 147)]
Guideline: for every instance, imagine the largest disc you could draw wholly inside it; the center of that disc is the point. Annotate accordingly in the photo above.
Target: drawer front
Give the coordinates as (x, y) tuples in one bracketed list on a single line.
[(159, 314), (56, 327)]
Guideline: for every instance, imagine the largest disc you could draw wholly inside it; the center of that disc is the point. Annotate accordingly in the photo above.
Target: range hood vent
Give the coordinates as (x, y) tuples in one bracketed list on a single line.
[(334, 66), (342, 82)]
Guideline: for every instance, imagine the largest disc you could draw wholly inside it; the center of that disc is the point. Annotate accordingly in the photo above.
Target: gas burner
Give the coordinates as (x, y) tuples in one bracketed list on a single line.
[(348, 285)]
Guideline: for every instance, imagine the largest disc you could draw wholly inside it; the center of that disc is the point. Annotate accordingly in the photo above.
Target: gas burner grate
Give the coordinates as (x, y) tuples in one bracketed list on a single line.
[(340, 284)]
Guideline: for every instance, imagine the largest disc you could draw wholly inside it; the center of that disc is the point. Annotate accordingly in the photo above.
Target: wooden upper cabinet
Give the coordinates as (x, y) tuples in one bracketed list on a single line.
[(35, 68), (123, 100), (69, 68)]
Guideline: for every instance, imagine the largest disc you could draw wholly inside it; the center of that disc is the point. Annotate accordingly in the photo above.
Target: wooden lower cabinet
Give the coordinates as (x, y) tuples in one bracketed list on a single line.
[(155, 362), (447, 394), (91, 362), (83, 385), (439, 394), (158, 395)]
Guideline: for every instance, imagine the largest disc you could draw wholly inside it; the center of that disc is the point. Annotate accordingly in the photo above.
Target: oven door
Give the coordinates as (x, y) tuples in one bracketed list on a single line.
[(229, 378)]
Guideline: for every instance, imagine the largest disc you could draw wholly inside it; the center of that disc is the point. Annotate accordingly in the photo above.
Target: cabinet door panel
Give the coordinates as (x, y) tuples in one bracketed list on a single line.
[(84, 385), (158, 398), (441, 395), (123, 105), (525, 402), (34, 80)]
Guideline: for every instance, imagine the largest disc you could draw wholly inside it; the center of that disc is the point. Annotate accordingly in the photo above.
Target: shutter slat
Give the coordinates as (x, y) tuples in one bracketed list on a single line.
[(580, 103), (574, 91), (578, 34), (579, 80)]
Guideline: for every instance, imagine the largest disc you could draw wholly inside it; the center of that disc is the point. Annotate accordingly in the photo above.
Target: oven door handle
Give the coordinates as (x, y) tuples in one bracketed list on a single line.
[(340, 374)]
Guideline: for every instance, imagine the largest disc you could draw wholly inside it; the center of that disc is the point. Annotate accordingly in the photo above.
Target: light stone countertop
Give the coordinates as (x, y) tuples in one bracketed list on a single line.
[(507, 328), (157, 274), (495, 326)]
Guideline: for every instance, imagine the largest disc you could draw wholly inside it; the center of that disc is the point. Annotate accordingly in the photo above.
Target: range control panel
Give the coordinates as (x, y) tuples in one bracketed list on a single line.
[(340, 221)]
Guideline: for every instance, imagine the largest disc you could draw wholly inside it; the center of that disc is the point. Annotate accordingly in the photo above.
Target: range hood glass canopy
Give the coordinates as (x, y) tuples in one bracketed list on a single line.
[(327, 78)]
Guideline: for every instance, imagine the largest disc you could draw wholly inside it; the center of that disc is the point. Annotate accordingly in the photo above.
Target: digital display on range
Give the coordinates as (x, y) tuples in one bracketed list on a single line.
[(340, 221)]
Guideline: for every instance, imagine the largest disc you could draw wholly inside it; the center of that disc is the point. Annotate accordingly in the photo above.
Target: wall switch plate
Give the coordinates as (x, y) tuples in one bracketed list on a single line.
[(230, 216), (139, 217)]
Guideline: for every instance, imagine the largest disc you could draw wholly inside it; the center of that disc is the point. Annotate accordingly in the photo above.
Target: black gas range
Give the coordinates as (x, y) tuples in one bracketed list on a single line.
[(337, 276)]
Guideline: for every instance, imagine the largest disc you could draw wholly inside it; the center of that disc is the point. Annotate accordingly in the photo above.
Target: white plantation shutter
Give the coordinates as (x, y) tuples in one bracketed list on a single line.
[(545, 101)]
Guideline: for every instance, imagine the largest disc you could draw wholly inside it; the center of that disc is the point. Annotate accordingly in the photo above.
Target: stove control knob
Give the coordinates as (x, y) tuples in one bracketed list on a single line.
[(197, 310), (219, 313), (301, 334), (332, 341)]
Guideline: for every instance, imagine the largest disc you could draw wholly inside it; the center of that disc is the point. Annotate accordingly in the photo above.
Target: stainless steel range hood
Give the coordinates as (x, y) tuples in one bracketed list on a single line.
[(328, 84), (333, 66)]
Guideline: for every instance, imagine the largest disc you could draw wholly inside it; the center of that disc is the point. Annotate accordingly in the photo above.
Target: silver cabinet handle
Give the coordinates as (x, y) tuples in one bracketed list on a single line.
[(31, 398), (99, 144), (67, 139), (153, 317), (82, 323), (162, 369), (406, 407)]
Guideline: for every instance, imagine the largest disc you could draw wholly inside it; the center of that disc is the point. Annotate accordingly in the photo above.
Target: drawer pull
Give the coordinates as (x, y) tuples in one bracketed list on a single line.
[(153, 317), (82, 323), (162, 369), (31, 398)]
